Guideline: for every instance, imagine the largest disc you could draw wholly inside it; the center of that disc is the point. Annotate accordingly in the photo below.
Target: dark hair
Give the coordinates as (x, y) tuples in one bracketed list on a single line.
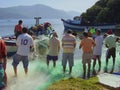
[(25, 30), (20, 21), (75, 34), (85, 34), (69, 31)]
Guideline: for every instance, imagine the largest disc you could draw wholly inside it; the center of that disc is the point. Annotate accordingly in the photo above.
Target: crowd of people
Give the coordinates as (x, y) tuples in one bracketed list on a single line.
[(91, 50)]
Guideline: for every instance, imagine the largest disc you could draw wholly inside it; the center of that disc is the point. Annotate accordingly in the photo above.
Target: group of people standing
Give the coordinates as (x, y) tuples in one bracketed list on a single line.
[(91, 49)]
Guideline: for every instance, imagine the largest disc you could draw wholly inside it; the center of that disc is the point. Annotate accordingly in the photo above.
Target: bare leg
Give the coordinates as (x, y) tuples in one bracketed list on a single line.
[(89, 65), (15, 71), (113, 62), (113, 65), (70, 70), (94, 63), (106, 64), (54, 63), (47, 61), (99, 62), (84, 71), (26, 70), (64, 69)]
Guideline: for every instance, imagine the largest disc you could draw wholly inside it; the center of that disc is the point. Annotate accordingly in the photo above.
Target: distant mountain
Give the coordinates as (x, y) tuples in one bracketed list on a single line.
[(38, 10)]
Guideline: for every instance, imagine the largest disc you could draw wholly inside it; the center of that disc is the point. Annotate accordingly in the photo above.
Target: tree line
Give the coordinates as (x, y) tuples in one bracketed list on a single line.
[(103, 11)]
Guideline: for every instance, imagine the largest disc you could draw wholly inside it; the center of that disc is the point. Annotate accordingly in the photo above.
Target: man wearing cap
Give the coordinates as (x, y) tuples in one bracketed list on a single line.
[(110, 43)]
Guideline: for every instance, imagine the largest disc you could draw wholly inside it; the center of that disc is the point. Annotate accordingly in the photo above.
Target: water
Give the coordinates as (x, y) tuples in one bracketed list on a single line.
[(8, 25), (39, 76)]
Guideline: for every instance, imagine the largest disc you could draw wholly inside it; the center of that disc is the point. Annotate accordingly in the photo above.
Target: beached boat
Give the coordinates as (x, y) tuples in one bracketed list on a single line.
[(10, 40), (10, 44), (11, 47), (76, 25)]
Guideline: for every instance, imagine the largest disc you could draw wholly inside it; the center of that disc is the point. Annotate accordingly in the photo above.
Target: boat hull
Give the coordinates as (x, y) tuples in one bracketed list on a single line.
[(81, 28), (11, 47)]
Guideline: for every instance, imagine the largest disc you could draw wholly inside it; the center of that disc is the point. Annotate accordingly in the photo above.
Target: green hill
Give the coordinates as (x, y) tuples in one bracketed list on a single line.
[(104, 11)]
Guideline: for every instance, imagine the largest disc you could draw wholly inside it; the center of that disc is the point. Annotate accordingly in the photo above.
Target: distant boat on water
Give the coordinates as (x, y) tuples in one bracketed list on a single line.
[(76, 25)]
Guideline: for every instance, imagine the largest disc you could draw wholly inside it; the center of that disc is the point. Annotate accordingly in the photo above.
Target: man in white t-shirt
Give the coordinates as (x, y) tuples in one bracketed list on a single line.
[(97, 50), (24, 43)]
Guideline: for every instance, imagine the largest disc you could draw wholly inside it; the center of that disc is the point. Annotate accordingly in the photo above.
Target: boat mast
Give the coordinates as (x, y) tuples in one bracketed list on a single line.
[(37, 20)]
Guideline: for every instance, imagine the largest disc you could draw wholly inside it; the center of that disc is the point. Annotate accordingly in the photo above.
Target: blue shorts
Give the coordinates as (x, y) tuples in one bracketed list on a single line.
[(69, 57), (54, 58), (17, 58)]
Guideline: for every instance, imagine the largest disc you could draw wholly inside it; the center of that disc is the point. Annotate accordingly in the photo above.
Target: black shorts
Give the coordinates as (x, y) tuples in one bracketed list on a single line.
[(111, 52), (54, 58)]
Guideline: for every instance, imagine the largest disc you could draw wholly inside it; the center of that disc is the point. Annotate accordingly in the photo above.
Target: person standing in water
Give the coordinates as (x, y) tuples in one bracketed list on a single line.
[(97, 50), (87, 44), (24, 43), (54, 48), (110, 43), (68, 45)]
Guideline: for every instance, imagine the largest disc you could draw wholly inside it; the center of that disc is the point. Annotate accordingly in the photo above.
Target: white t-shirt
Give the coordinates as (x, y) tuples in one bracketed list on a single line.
[(24, 41), (97, 50)]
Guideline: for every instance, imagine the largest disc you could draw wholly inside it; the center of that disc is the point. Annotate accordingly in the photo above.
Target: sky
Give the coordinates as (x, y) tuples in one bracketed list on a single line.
[(66, 5)]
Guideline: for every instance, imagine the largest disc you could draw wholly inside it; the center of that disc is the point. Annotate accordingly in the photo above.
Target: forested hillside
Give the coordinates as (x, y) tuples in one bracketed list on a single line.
[(104, 11)]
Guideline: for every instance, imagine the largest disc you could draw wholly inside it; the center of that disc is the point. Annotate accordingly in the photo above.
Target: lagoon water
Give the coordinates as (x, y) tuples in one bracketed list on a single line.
[(39, 76)]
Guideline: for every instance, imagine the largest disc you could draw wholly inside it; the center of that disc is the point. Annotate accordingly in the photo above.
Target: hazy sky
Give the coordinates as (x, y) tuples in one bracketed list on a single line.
[(67, 5)]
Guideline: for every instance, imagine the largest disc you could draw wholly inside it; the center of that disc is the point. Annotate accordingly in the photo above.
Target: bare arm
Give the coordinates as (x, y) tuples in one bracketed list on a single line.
[(59, 47)]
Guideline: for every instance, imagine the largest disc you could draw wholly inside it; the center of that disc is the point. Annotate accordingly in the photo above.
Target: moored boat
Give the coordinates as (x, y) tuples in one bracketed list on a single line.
[(77, 26)]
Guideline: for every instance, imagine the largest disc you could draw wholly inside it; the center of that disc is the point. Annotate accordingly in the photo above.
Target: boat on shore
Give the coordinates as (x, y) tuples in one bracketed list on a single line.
[(39, 35), (77, 26), (10, 41)]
